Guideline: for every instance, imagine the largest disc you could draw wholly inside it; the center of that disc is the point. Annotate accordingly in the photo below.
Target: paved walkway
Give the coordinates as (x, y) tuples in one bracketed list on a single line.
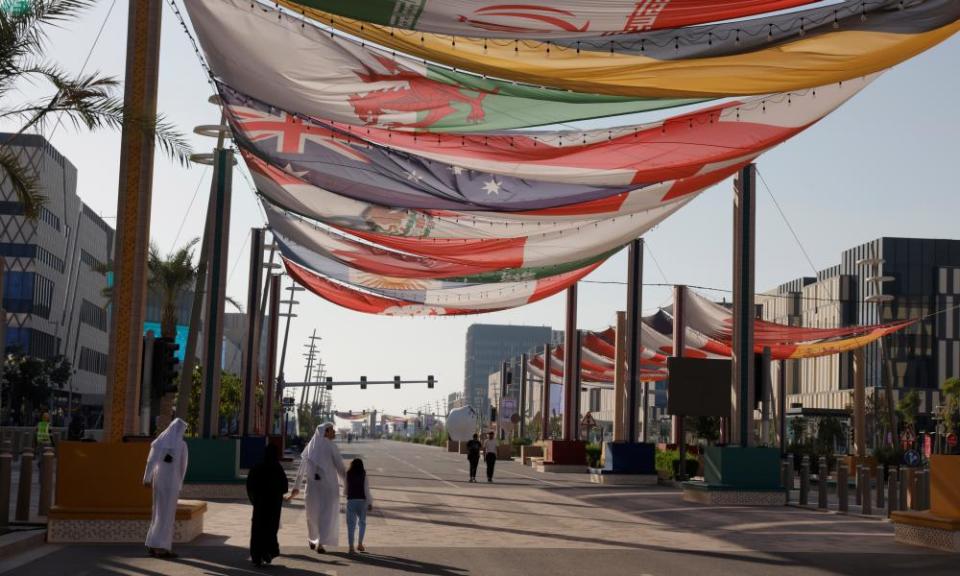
[(428, 520)]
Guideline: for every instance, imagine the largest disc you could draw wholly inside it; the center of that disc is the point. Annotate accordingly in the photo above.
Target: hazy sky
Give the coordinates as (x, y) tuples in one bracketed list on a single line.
[(882, 165)]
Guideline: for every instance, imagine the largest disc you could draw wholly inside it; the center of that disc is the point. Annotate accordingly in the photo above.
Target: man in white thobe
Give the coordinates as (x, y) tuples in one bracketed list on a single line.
[(166, 467), (321, 466)]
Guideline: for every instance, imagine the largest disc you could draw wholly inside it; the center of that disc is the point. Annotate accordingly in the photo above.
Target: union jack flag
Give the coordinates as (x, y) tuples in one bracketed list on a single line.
[(290, 132)]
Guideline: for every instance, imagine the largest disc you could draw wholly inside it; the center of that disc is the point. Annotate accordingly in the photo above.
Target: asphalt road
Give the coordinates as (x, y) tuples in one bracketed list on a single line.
[(428, 520)]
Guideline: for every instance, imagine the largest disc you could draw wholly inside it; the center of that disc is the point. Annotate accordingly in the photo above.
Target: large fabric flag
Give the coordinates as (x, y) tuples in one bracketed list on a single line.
[(525, 172), (370, 302), (343, 254), (278, 59), (543, 18), (778, 53), (289, 192)]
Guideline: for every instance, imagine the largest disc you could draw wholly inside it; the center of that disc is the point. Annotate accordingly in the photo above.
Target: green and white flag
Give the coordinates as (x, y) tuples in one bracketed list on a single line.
[(301, 68)]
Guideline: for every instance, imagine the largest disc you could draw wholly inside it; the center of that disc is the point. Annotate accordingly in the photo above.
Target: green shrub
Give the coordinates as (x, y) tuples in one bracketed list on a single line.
[(593, 455), (667, 463)]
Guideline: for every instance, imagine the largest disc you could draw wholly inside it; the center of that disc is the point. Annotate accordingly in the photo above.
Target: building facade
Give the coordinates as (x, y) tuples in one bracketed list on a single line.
[(56, 271), (885, 280), (487, 347)]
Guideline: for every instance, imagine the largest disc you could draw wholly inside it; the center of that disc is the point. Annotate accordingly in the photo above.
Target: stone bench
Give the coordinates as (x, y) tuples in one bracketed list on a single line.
[(68, 525)]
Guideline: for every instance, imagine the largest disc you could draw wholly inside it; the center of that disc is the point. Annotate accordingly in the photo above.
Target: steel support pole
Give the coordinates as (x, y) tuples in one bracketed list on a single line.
[(200, 287), (782, 406), (766, 391), (620, 395), (545, 394), (679, 346), (133, 219), (577, 386), (500, 394), (216, 295), (273, 330), (523, 396), (570, 368), (743, 368), (859, 403), (634, 334), (251, 347)]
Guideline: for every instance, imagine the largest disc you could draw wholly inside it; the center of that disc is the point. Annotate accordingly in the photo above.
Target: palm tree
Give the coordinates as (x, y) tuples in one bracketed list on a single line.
[(85, 100), (171, 277)]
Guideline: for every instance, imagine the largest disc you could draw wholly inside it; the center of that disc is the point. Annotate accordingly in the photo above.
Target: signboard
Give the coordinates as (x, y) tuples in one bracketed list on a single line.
[(907, 436), (588, 421), (508, 408), (951, 440), (911, 458)]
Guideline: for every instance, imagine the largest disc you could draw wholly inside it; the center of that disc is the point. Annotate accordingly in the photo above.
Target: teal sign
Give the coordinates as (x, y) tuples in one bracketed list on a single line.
[(15, 7), (181, 338)]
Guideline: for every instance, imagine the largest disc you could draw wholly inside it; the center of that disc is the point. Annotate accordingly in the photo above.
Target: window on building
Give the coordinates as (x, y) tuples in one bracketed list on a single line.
[(42, 296), (18, 291), (93, 315), (10, 208), (43, 345), (50, 218), (93, 262), (17, 250), (92, 361), (19, 338), (50, 259)]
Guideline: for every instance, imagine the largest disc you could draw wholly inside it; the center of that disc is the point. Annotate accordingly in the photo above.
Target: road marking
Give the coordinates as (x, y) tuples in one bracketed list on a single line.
[(422, 471)]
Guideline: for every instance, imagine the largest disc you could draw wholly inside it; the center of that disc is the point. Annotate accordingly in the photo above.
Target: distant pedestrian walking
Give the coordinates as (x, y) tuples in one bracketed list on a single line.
[(473, 456), (490, 455), (266, 485), (359, 502), (166, 467)]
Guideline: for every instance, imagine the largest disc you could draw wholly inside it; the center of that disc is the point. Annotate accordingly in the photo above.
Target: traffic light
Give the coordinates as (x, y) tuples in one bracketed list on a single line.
[(329, 380), (430, 381), (396, 382), (404, 412), (363, 382), (405, 424), (165, 366), (509, 377)]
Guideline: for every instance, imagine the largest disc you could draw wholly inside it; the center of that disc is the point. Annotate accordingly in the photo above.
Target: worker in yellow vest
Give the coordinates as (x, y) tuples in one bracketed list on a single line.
[(43, 431)]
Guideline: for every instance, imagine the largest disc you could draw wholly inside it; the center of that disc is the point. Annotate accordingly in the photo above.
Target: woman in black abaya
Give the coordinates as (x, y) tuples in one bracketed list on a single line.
[(266, 485)]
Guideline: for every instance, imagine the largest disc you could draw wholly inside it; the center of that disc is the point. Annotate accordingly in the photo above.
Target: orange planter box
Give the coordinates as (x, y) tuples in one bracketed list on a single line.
[(102, 476), (945, 486)]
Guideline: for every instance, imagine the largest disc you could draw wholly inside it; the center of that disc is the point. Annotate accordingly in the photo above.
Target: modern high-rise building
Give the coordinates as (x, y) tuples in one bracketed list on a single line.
[(885, 280), (56, 270), (489, 345)]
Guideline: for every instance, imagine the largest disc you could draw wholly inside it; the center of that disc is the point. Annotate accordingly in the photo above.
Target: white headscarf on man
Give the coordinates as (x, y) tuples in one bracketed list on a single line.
[(166, 468), (321, 467)]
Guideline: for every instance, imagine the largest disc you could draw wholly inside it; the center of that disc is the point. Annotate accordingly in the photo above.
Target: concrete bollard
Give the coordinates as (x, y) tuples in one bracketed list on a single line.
[(784, 478), (823, 475), (843, 488), (804, 480), (880, 491), (46, 481), (858, 480), (866, 506), (912, 478), (893, 491), (903, 500), (923, 489), (24, 484), (6, 474)]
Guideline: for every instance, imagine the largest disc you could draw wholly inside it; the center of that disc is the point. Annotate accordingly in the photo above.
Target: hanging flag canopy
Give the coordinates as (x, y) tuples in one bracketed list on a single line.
[(775, 53), (397, 185), (708, 335), (277, 58), (542, 18)]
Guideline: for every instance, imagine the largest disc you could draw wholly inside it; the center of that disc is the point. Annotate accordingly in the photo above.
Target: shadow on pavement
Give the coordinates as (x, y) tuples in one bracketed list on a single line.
[(402, 564)]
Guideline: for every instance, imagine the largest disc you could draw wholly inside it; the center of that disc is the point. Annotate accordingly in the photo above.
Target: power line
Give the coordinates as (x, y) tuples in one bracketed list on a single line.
[(85, 62), (787, 222), (655, 262), (189, 206)]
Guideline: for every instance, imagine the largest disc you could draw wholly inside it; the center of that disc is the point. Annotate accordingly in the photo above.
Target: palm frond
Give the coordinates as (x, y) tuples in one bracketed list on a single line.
[(233, 302), (24, 183)]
